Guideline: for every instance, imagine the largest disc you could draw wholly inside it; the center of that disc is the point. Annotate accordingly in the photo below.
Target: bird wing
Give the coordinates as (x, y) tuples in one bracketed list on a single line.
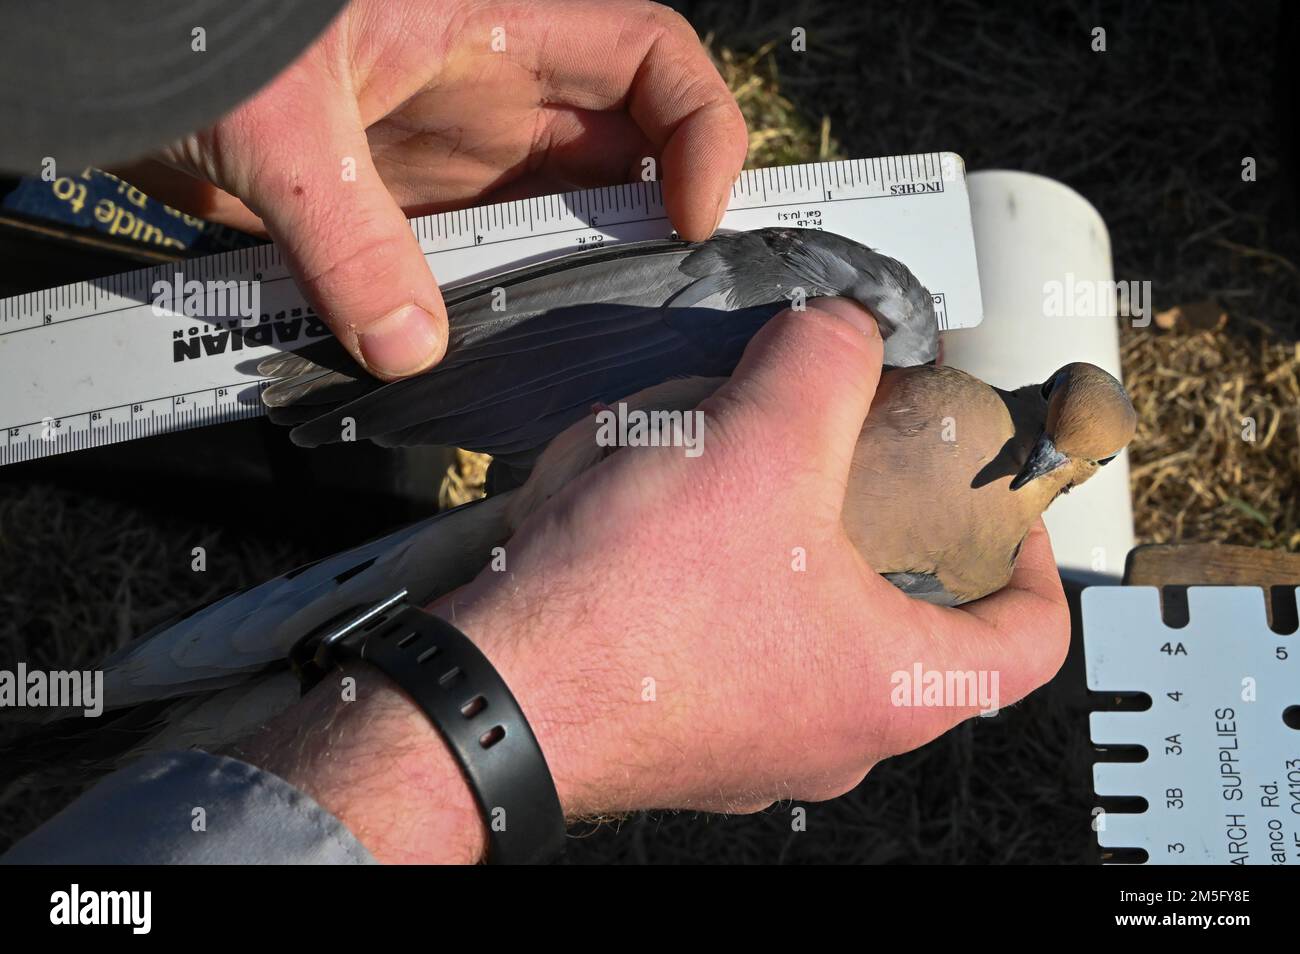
[(228, 641), (531, 350), (536, 341)]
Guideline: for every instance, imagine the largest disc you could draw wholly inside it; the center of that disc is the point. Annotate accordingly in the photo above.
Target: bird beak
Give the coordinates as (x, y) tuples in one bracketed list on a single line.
[(1043, 459)]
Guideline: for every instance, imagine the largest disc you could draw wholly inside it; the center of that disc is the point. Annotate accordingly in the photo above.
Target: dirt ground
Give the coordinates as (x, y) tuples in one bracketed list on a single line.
[(1153, 132)]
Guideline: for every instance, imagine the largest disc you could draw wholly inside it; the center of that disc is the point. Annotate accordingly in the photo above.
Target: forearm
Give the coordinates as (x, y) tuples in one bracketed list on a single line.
[(364, 751), (359, 747)]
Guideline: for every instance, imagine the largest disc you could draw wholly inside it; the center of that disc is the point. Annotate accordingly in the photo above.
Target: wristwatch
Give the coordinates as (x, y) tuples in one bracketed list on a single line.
[(469, 704)]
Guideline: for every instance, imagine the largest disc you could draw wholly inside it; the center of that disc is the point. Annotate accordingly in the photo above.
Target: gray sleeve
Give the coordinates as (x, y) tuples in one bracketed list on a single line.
[(148, 813)]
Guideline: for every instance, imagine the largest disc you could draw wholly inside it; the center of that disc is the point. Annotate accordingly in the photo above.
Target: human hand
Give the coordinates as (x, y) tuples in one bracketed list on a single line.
[(660, 572), (664, 648), (432, 117)]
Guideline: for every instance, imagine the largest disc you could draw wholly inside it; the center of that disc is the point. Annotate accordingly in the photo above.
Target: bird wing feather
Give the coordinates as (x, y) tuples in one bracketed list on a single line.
[(227, 641), (587, 327)]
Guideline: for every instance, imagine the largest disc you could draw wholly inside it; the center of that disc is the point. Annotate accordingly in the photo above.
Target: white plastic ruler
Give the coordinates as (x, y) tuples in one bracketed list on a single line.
[(1221, 776), (94, 363)]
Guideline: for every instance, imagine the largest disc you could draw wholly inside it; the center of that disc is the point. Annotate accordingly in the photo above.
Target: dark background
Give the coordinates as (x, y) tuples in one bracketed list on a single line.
[(95, 546)]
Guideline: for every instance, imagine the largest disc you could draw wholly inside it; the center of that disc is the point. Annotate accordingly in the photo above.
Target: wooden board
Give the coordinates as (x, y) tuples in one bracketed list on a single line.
[(1217, 564)]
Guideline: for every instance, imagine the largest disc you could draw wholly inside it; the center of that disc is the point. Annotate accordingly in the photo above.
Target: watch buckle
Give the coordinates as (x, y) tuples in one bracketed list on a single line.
[(314, 655)]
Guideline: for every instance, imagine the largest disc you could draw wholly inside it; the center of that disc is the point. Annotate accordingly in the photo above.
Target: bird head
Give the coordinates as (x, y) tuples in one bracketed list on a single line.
[(1089, 420)]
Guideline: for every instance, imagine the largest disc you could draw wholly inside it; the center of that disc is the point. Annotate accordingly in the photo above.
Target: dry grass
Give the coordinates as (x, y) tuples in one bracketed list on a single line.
[(779, 132), (465, 479), (1217, 452)]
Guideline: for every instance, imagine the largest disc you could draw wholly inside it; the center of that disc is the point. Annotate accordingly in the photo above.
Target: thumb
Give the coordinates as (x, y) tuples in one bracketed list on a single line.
[(350, 247), (807, 379)]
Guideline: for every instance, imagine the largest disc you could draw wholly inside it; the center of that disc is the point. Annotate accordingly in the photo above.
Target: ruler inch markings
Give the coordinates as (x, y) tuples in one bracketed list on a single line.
[(55, 365)]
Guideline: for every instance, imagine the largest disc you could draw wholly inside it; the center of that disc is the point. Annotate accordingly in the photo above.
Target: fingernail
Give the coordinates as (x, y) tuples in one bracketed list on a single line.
[(722, 211), (849, 311), (400, 343)]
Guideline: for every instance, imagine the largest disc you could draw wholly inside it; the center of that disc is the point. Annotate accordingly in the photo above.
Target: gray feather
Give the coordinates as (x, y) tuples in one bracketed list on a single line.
[(596, 326), (243, 634), (923, 586)]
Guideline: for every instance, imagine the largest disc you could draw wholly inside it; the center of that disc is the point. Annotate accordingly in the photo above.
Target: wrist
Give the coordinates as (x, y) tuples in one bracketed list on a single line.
[(584, 711), (367, 754), (554, 720)]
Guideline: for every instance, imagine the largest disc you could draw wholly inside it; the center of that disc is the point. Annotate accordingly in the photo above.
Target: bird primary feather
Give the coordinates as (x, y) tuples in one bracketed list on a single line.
[(530, 350)]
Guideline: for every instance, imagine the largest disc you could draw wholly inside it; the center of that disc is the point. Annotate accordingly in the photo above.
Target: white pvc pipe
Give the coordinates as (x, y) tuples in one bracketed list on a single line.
[(1029, 231)]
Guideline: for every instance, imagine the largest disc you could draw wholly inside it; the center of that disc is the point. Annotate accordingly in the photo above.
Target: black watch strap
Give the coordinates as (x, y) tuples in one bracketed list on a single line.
[(468, 702)]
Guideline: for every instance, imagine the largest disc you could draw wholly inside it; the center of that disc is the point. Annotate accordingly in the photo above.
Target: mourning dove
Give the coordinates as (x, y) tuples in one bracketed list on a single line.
[(949, 473), (990, 462)]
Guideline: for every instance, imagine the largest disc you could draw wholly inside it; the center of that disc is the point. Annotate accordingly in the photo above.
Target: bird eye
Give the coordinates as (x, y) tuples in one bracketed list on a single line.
[(1103, 463)]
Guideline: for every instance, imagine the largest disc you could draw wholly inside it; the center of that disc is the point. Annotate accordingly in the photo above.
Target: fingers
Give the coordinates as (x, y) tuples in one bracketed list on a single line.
[(1023, 629), (655, 67), (581, 150), (189, 194), (589, 149), (1027, 623), (310, 176), (701, 159), (806, 381), (1010, 643), (1035, 586), (682, 104)]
